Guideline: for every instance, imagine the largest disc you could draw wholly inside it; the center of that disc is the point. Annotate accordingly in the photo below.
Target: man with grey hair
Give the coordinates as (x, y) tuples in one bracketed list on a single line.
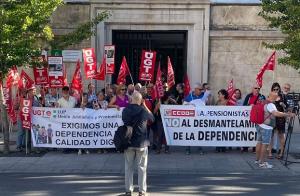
[(136, 116)]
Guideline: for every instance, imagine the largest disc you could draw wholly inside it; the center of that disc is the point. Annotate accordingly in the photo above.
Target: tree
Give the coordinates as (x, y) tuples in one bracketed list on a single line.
[(24, 31), (285, 15)]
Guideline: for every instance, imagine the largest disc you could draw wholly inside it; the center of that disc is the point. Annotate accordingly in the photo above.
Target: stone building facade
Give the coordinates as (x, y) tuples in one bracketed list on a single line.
[(224, 41)]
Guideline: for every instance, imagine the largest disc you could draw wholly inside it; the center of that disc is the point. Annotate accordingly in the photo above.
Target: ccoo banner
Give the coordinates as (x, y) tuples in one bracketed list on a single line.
[(74, 128), (186, 125)]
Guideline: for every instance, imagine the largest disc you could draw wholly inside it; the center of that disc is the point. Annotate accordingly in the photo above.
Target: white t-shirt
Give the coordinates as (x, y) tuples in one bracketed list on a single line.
[(197, 102), (270, 108), (63, 103)]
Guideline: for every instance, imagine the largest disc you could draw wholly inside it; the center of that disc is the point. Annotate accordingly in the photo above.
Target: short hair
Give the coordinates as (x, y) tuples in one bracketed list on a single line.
[(181, 85), (65, 88), (136, 97), (224, 92)]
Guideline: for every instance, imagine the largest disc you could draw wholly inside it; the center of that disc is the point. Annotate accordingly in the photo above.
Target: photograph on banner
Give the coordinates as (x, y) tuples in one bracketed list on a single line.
[(187, 125), (74, 127), (147, 65), (55, 71), (109, 51)]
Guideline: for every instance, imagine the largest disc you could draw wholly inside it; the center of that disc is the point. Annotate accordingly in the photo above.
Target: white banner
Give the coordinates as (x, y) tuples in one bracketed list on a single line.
[(74, 128), (186, 125)]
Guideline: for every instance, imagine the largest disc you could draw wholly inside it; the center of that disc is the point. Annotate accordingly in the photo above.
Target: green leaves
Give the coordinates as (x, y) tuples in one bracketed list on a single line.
[(285, 15)]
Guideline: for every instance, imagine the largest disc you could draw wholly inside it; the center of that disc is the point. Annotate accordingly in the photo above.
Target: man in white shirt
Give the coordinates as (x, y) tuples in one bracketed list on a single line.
[(264, 130), (66, 101)]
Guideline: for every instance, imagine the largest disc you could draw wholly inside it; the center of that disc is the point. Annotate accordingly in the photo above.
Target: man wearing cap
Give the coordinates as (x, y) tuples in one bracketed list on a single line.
[(264, 130), (195, 98)]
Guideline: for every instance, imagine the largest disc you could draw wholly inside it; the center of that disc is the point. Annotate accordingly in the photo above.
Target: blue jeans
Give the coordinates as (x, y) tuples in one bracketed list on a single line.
[(263, 135), (20, 135)]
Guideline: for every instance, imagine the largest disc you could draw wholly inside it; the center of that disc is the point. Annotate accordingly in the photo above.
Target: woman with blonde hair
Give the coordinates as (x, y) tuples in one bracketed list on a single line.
[(120, 99)]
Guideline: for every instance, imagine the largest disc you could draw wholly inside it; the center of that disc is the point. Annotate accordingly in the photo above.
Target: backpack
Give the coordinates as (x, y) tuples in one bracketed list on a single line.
[(122, 137), (257, 113)]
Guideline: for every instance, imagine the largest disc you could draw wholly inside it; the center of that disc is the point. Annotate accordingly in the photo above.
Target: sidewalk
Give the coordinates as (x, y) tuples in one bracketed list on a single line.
[(232, 162)]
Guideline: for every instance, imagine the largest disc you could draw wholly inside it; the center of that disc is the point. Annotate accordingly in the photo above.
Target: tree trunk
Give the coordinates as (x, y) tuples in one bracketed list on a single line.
[(5, 125)]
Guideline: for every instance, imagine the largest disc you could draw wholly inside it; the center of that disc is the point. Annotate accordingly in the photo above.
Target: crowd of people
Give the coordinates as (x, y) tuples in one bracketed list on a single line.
[(118, 96)]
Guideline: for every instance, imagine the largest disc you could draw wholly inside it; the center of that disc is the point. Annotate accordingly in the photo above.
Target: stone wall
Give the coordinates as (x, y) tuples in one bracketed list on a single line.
[(236, 49)]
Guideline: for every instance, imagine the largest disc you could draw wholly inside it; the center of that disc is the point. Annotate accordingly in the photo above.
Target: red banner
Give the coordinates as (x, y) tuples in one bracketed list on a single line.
[(101, 72), (40, 75), (90, 63), (109, 51), (25, 81), (171, 77), (77, 79), (158, 84), (26, 105), (124, 71), (147, 65), (55, 71)]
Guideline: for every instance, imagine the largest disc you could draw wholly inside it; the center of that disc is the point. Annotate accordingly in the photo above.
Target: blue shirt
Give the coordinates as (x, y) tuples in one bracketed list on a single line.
[(192, 97)]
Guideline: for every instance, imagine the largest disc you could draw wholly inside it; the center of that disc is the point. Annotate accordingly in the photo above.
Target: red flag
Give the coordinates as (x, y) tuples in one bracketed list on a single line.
[(147, 65), (90, 63), (77, 79), (100, 75), (154, 92), (25, 81), (187, 86), (158, 84), (124, 71), (8, 102), (12, 77), (269, 65), (171, 78), (231, 94)]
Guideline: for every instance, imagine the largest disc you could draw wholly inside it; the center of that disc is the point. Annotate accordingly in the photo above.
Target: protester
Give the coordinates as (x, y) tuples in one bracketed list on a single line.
[(222, 100), (91, 93), (207, 97), (130, 90), (51, 98), (179, 93), (109, 94), (264, 131), (138, 87), (21, 131), (66, 101), (85, 104), (121, 99), (136, 115), (251, 99), (159, 129), (238, 97), (280, 104), (195, 98)]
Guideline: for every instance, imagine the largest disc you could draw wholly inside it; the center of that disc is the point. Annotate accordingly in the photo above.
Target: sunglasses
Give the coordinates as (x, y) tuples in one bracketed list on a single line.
[(257, 88), (275, 89), (123, 89)]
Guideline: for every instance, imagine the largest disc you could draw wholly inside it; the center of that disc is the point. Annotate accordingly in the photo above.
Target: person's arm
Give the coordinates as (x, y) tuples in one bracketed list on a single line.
[(113, 102), (246, 100), (149, 113), (157, 106)]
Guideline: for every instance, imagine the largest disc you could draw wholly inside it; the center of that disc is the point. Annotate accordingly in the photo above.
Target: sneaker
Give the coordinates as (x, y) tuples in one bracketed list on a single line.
[(19, 149), (265, 165), (256, 162), (142, 194), (79, 152)]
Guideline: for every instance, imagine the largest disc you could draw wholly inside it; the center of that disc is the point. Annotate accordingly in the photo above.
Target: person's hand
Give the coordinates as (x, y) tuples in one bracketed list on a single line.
[(118, 108), (291, 114)]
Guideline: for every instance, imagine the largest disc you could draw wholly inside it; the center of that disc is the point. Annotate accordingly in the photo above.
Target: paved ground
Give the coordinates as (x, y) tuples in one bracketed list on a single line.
[(158, 185)]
